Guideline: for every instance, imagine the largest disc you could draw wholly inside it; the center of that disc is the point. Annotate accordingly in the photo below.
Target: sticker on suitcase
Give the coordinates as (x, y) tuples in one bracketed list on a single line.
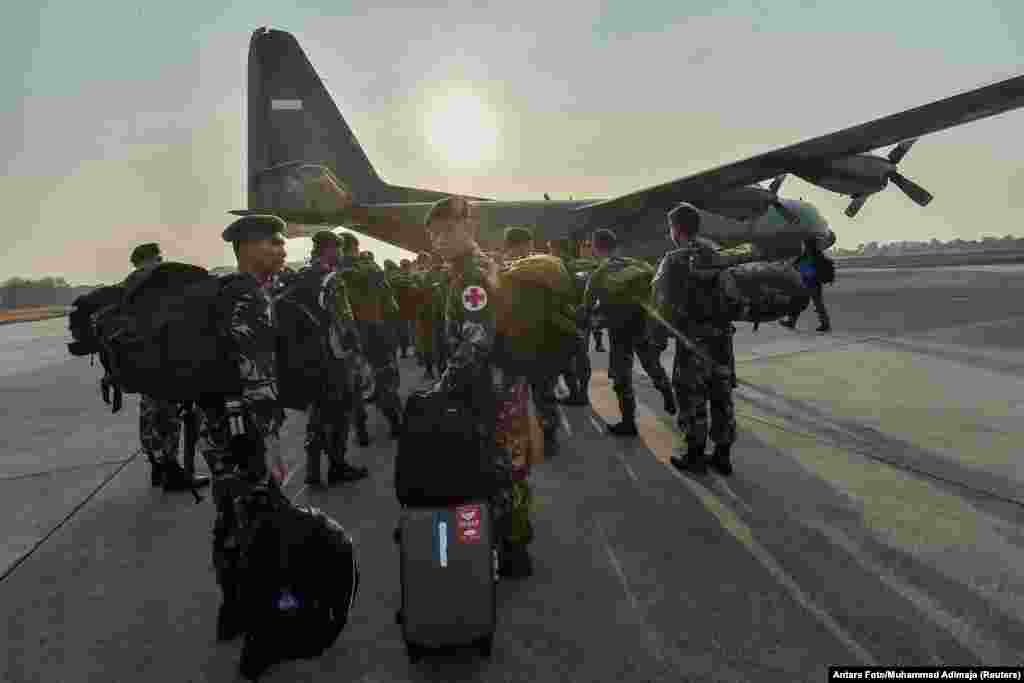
[(467, 523), (441, 540)]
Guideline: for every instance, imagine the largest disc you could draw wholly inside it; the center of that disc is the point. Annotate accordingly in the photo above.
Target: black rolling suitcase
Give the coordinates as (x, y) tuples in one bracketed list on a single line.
[(449, 576)]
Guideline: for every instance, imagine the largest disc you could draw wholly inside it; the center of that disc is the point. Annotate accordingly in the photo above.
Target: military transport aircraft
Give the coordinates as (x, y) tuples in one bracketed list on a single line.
[(306, 166)]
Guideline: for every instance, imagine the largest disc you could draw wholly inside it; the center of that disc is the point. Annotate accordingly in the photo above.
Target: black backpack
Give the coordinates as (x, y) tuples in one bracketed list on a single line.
[(80, 323), (301, 580), (442, 459), (303, 324), (166, 338)]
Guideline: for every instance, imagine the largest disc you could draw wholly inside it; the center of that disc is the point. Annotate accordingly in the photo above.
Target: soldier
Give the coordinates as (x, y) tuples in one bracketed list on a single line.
[(578, 370), (425, 318), (628, 330), (815, 270), (373, 304), (159, 420), (472, 371), (519, 244), (686, 293), (328, 425), (239, 435), (401, 325)]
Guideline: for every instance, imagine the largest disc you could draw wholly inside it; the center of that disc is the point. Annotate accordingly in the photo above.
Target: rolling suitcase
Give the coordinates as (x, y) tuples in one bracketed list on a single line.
[(448, 575)]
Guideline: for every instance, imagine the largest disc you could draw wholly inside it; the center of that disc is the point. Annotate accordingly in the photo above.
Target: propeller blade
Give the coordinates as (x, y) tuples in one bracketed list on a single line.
[(917, 194), (786, 212), (777, 184), (855, 205), (900, 151)]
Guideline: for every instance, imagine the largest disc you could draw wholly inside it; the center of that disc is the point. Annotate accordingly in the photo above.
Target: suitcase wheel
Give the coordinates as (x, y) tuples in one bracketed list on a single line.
[(485, 645)]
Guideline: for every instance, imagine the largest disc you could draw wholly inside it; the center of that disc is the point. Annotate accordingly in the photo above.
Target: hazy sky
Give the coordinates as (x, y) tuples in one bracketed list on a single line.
[(123, 124)]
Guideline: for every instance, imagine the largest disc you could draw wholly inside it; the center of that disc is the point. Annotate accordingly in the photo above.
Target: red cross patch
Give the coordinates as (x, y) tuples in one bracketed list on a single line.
[(474, 298)]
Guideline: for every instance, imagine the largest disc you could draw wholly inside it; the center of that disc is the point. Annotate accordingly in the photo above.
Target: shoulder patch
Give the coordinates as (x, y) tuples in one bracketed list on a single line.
[(474, 298)]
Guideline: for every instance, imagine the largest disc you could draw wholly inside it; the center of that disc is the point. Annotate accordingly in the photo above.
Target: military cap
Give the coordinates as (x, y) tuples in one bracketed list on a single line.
[(145, 251), (517, 235), (325, 237), (349, 241), (685, 218), (255, 227)]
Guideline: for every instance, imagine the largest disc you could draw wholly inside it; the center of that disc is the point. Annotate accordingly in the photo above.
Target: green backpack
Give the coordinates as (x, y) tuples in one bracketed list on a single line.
[(536, 314), (630, 285)]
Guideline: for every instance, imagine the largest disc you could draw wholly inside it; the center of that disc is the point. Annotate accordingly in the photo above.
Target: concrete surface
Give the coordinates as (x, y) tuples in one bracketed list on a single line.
[(874, 517)]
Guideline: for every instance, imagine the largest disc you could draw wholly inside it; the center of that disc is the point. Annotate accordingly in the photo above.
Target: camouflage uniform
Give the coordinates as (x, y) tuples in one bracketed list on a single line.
[(378, 341), (247, 469), (705, 373), (159, 433), (578, 370), (628, 330), (327, 426), (472, 323)]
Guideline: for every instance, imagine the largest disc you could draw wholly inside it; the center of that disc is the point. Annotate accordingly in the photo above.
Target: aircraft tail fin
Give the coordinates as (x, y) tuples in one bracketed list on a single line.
[(292, 119)]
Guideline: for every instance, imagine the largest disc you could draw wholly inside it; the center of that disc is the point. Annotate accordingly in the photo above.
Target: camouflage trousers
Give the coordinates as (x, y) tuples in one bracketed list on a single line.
[(598, 333), (159, 429), (698, 383), (577, 370), (818, 299), (513, 501), (379, 347), (630, 338), (328, 419)]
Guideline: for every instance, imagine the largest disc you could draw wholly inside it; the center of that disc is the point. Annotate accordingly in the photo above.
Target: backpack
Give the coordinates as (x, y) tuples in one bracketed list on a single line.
[(764, 291), (631, 284), (165, 338), (364, 281), (303, 323), (536, 318), (301, 581), (80, 320)]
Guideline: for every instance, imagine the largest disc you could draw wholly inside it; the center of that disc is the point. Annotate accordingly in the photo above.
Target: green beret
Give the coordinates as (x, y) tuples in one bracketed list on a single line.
[(252, 228), (518, 235), (145, 251), (326, 237)]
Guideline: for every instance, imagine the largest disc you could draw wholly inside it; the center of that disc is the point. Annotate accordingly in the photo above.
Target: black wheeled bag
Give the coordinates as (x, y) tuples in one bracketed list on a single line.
[(448, 567), (442, 459)]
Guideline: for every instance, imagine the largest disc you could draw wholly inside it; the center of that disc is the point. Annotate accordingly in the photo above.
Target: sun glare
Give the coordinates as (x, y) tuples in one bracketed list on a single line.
[(463, 129)]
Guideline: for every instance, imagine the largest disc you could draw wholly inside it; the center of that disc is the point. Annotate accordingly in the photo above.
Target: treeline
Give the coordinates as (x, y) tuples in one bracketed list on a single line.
[(934, 246), (18, 292)]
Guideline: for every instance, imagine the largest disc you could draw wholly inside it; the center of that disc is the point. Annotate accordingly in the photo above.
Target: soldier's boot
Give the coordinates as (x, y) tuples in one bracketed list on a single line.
[(196, 480), (175, 479), (788, 322), (230, 616), (720, 460), (824, 325), (340, 470), (627, 404), (693, 461), (313, 477), (514, 562), (362, 435), (669, 397), (156, 472)]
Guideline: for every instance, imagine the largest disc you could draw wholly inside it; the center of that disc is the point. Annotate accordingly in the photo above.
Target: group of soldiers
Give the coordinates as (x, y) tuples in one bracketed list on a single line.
[(450, 319)]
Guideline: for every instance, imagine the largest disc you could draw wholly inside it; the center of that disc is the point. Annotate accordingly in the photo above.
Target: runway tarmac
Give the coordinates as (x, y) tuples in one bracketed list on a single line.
[(875, 516)]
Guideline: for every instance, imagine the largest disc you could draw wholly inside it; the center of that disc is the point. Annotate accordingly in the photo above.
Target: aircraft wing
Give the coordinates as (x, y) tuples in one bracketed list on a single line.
[(952, 111)]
